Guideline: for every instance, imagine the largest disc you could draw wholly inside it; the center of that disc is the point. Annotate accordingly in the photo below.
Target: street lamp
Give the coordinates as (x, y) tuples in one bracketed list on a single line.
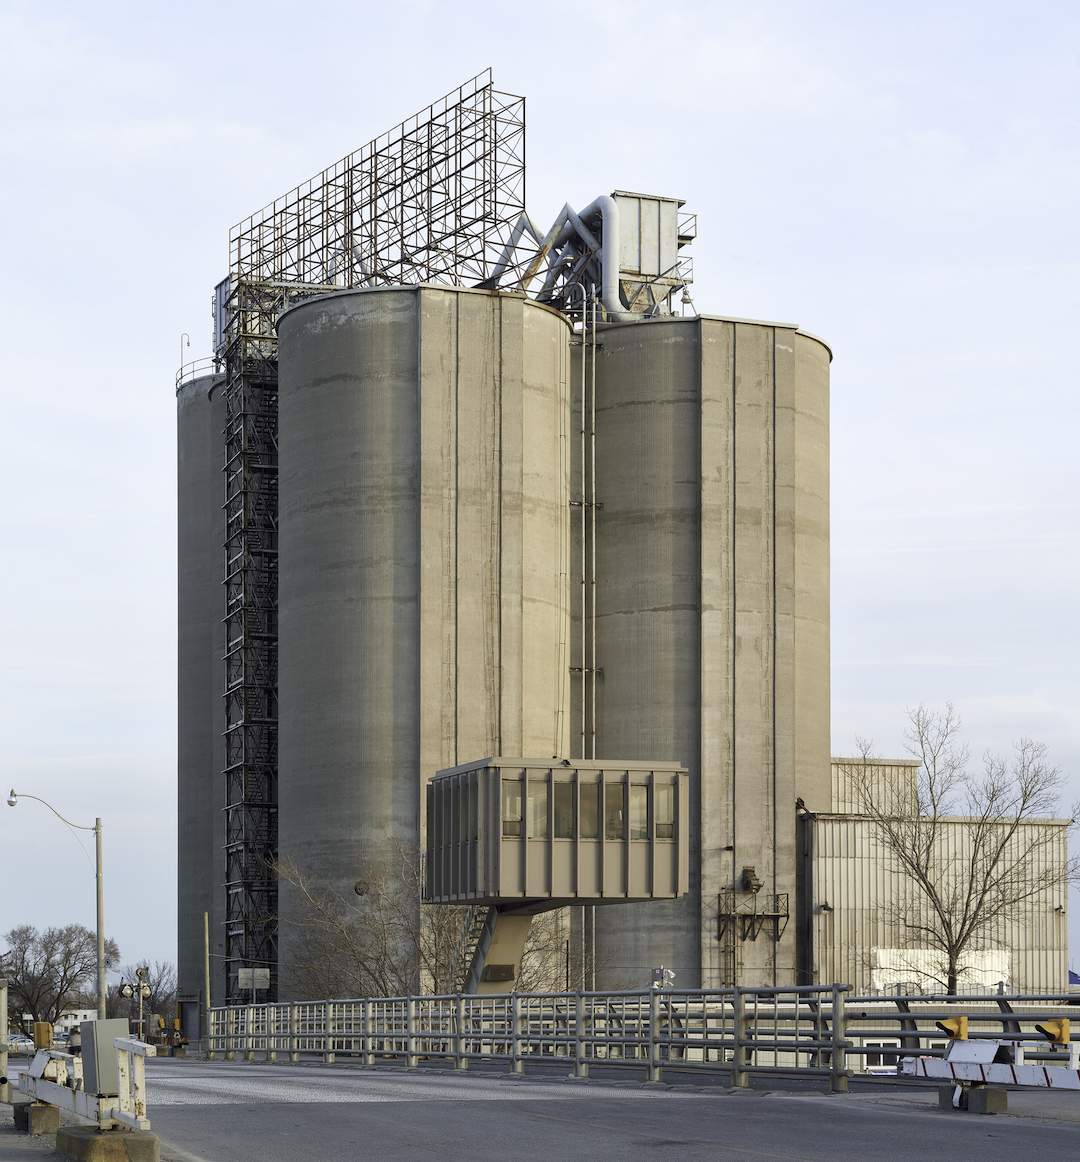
[(140, 987), (13, 798)]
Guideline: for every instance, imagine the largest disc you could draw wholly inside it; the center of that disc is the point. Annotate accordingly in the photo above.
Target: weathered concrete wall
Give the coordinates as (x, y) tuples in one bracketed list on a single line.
[(712, 614), (423, 540), (200, 420)]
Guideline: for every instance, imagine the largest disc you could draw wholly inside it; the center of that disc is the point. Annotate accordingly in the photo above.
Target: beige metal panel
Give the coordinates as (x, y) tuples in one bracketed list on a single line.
[(884, 779), (648, 234), (856, 876)]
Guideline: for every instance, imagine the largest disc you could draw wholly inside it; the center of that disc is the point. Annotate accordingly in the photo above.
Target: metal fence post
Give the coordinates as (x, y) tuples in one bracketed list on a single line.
[(581, 1063), (740, 1077), (369, 1032), (412, 1059), (273, 1016), (817, 1056), (328, 1045), (5, 1087), (249, 1030), (294, 1033), (230, 1034), (516, 1063), (461, 1059), (838, 1078), (654, 1035)]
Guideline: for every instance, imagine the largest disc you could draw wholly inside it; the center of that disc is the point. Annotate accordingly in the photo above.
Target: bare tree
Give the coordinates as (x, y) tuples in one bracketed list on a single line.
[(372, 943), (50, 971), (544, 960), (966, 884), (366, 945)]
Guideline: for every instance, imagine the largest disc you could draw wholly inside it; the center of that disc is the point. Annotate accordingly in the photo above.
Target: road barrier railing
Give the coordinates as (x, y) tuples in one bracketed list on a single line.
[(817, 1031), (742, 1031), (57, 1079)]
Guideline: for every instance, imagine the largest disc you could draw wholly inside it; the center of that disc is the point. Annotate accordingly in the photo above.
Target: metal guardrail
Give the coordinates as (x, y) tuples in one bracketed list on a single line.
[(742, 1031), (809, 1031), (207, 365), (57, 1079)]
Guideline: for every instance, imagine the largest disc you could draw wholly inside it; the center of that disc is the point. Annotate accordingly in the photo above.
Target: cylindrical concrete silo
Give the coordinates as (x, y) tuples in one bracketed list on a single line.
[(423, 613), (200, 419), (712, 618)]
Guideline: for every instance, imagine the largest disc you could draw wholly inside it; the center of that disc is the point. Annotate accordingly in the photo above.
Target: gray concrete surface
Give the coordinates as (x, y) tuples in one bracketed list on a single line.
[(423, 533), (35, 1118), (200, 758), (712, 608), (206, 1112), (88, 1144)]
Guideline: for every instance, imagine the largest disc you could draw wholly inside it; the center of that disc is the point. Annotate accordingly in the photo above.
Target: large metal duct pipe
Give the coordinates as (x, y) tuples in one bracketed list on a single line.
[(712, 620), (423, 606), (200, 422), (607, 210)]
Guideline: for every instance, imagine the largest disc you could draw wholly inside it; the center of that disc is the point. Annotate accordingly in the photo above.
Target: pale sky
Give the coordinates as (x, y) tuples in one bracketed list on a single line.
[(901, 180)]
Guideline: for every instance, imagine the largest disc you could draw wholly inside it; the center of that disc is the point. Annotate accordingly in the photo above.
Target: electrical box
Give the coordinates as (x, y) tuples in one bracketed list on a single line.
[(101, 1074)]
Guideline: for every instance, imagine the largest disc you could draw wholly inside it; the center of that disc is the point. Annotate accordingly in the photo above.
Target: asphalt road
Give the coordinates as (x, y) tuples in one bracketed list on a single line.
[(238, 1112)]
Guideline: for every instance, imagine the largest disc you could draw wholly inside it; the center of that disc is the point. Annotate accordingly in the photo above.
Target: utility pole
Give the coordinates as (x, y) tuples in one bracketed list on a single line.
[(102, 984)]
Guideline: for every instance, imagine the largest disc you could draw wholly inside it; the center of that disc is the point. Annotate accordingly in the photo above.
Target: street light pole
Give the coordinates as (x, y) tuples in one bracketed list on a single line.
[(102, 984), (13, 798)]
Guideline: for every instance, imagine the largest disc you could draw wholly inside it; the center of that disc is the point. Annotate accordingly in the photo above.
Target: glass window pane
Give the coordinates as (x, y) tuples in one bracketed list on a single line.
[(590, 810), (639, 812), (664, 806), (538, 809), (564, 810), (511, 826), (615, 811)]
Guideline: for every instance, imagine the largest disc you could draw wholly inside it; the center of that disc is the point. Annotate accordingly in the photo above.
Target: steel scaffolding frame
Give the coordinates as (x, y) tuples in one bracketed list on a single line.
[(435, 199)]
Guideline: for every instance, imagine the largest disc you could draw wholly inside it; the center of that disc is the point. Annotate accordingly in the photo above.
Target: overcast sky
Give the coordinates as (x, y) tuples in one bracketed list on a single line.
[(901, 180)]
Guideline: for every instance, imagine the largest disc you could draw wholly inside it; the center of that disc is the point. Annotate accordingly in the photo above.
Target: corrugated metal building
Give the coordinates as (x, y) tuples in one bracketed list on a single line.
[(855, 898)]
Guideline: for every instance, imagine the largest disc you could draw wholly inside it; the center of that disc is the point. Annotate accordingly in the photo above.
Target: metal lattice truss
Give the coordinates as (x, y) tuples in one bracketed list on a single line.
[(434, 200)]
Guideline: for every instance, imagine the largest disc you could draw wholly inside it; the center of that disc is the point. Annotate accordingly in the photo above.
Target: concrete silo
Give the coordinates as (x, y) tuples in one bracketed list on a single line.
[(200, 417), (712, 623), (423, 606)]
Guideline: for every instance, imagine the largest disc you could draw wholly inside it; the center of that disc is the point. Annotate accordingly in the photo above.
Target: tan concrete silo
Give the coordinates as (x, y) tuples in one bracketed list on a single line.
[(712, 621), (423, 611)]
